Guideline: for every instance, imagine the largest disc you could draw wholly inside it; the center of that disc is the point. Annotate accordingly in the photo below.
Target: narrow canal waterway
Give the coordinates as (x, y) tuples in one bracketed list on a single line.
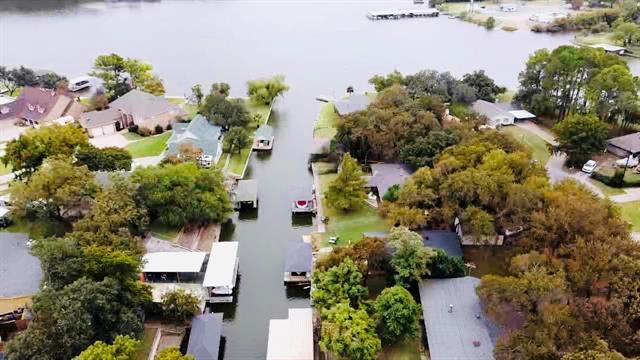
[(321, 46)]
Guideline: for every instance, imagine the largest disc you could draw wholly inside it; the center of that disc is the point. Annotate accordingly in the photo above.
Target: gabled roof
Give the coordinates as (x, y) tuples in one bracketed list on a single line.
[(170, 262), (489, 109), (630, 142), (385, 176), (35, 104), (20, 272), (143, 105), (199, 133), (299, 257), (451, 335), (204, 340), (264, 132), (94, 119), (353, 103)]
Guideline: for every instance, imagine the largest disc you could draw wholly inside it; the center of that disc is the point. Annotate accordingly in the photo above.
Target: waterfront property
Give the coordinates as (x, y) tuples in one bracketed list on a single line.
[(244, 192), (383, 176), (198, 135), (263, 138), (442, 239), (304, 203), (624, 146), (291, 338), (37, 106), (222, 271), (495, 115), (205, 336), (133, 108), (402, 13), (454, 320), (172, 266), (610, 49), (20, 272), (353, 103), (298, 263)]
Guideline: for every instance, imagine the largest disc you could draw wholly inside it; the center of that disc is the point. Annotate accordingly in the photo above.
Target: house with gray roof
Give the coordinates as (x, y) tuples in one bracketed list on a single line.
[(198, 133), (445, 240), (133, 108), (353, 103), (383, 176), (624, 146), (298, 263), (456, 325), (496, 116), (20, 272), (206, 333)]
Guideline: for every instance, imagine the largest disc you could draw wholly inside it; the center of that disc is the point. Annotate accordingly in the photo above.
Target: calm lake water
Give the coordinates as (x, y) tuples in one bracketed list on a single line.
[(321, 46)]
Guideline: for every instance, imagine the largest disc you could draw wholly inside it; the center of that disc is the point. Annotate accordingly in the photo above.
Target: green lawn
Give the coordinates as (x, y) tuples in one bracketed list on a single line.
[(606, 189), (536, 143), (164, 232), (601, 38), (37, 229), (150, 146), (630, 175), (175, 100), (145, 343), (131, 136), (409, 350), (238, 161), (631, 213), (349, 227), (190, 109), (4, 170), (325, 127), (262, 110)]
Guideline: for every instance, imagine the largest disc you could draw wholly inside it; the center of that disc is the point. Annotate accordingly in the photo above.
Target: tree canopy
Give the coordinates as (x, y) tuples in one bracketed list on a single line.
[(179, 305), (119, 75), (348, 333), (13, 79), (236, 139), (346, 192), (581, 136), (123, 348), (410, 259), (104, 159), (341, 283), (172, 353), (397, 314), (264, 91), (484, 86), (224, 112)]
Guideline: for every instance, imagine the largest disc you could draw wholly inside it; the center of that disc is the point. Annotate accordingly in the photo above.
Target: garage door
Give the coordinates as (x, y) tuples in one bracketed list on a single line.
[(108, 129), (95, 132)]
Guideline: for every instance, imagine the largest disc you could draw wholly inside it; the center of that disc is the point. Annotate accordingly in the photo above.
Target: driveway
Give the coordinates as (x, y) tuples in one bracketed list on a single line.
[(8, 131), (146, 161), (557, 172), (110, 140)]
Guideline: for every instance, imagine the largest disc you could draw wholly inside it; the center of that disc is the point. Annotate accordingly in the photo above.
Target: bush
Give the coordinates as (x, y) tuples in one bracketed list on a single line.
[(460, 111), (490, 23), (617, 180), (133, 128), (179, 305), (159, 129), (392, 193), (445, 266), (144, 132), (169, 127), (600, 28)]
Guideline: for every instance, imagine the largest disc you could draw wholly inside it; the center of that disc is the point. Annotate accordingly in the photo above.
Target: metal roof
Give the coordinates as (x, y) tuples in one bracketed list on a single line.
[(353, 103), (299, 257), (247, 190), (522, 114), (292, 338), (173, 262), (264, 132), (489, 109), (451, 334), (221, 265), (385, 176), (204, 340), (20, 272), (442, 239)]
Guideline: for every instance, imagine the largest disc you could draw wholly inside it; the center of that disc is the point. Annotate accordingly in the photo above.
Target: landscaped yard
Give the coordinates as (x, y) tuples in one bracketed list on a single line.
[(349, 227), (146, 343), (150, 146), (630, 175), (631, 213), (37, 229), (175, 100), (325, 127), (131, 136), (402, 351), (238, 162), (164, 232), (536, 143)]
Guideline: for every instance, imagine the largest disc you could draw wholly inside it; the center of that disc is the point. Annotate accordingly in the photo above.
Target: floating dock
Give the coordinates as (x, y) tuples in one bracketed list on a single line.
[(402, 14)]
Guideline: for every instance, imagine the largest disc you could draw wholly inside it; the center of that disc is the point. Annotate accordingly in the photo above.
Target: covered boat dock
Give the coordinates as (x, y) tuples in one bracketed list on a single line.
[(222, 271), (172, 266), (298, 263), (245, 192)]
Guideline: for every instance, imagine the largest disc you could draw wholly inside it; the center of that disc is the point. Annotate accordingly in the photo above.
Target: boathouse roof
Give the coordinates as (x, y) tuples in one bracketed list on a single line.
[(246, 190), (299, 257), (221, 265), (353, 103), (451, 335), (204, 340), (173, 262), (292, 338), (264, 132), (442, 239)]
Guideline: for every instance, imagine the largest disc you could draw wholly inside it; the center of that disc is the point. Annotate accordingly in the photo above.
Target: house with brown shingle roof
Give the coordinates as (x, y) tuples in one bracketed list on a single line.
[(37, 106), (133, 108)]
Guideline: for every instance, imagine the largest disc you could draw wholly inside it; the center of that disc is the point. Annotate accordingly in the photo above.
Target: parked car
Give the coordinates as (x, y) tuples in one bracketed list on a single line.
[(589, 167), (628, 162)]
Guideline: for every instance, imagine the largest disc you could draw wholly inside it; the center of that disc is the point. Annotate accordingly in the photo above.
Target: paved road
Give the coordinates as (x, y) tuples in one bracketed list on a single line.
[(557, 172)]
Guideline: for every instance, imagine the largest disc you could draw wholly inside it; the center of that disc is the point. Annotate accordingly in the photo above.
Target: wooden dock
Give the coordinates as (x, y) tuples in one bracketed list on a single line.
[(402, 14)]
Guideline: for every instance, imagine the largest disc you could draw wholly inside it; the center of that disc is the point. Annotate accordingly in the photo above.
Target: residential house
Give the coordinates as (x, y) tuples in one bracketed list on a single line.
[(444, 240), (205, 337), (384, 176), (353, 103), (263, 138), (298, 263), (199, 134), (624, 146), (456, 325), (37, 107), (20, 272), (291, 338), (496, 116), (133, 108)]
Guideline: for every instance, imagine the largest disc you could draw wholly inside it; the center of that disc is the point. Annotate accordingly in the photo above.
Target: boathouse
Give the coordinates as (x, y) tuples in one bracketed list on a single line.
[(456, 325), (263, 139), (245, 192), (291, 338), (298, 263), (222, 271), (205, 336), (172, 266)]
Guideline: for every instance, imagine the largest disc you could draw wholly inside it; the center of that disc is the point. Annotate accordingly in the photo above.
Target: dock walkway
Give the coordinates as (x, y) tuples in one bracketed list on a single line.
[(402, 13)]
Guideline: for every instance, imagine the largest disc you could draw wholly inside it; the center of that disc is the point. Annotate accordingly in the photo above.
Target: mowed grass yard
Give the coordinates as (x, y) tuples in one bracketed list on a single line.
[(536, 143), (326, 122), (149, 146), (631, 213), (238, 161), (349, 227), (144, 348)]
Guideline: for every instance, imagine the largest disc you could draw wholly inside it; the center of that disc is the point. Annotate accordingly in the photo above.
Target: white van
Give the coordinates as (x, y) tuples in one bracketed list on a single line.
[(80, 83)]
